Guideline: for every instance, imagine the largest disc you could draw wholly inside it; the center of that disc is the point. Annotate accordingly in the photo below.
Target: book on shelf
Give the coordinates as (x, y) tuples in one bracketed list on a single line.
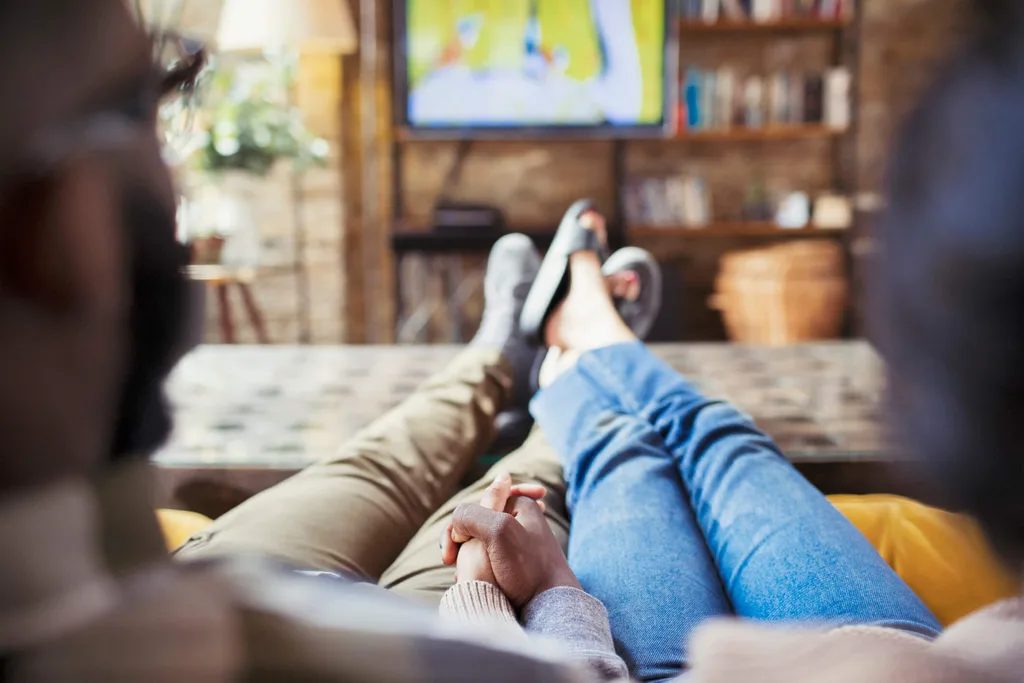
[(804, 8), (814, 99), (828, 9), (710, 10), (765, 11), (708, 93), (733, 9), (753, 102), (837, 98), (672, 201), (796, 99), (696, 200), (725, 98), (778, 98), (690, 91), (722, 98)]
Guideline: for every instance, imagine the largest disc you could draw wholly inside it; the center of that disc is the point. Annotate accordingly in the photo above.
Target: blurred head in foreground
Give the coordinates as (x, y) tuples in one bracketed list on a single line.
[(948, 291), (92, 297)]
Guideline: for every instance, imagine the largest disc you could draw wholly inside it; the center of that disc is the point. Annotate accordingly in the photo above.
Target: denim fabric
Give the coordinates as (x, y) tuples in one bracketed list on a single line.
[(682, 510)]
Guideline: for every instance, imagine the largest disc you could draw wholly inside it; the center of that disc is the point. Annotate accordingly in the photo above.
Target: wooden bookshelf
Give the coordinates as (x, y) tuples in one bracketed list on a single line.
[(740, 133), (728, 229), (790, 24)]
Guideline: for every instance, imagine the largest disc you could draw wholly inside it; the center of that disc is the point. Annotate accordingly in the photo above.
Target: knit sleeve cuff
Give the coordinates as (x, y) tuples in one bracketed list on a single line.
[(478, 602), (580, 621)]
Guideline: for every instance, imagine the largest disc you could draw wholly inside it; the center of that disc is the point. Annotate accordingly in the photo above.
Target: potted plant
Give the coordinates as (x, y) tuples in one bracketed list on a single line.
[(249, 124)]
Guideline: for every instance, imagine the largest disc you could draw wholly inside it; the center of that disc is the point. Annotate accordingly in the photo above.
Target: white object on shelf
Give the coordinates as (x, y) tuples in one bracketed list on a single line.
[(696, 202), (794, 211), (833, 212), (837, 98), (710, 10), (761, 11)]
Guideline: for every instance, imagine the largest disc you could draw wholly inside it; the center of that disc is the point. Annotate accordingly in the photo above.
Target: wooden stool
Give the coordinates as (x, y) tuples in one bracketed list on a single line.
[(218, 279)]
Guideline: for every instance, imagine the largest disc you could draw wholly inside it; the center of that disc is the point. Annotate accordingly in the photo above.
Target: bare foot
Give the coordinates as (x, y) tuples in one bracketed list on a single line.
[(587, 318)]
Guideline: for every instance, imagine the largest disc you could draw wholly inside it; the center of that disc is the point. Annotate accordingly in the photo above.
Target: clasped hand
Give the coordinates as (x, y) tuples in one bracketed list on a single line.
[(506, 541)]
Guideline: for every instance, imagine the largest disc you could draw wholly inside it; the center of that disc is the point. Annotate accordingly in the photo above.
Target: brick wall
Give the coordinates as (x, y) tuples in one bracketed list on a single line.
[(905, 41)]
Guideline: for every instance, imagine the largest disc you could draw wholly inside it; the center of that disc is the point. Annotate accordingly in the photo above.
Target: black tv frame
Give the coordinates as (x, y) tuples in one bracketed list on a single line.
[(400, 79)]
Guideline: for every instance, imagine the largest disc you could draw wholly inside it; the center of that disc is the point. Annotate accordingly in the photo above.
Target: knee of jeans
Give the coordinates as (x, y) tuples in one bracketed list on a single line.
[(713, 425), (718, 414), (615, 439)]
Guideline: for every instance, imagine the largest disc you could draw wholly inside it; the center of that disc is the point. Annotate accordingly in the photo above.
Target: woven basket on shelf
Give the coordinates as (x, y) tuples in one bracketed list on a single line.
[(783, 294)]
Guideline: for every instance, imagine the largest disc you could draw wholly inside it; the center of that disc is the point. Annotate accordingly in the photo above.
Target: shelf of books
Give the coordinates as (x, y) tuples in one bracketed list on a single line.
[(760, 15), (727, 229), (726, 103)]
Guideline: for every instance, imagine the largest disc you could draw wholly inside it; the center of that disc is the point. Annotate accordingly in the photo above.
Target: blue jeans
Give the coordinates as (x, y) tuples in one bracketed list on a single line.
[(682, 510)]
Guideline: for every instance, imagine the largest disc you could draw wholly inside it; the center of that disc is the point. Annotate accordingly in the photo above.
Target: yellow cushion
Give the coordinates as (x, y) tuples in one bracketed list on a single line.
[(178, 526), (942, 556)]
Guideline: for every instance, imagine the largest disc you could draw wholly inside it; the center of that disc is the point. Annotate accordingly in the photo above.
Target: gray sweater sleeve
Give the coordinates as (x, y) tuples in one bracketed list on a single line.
[(579, 621)]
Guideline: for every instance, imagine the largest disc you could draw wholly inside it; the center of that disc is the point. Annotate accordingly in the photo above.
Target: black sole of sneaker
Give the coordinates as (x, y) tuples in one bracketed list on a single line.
[(552, 282)]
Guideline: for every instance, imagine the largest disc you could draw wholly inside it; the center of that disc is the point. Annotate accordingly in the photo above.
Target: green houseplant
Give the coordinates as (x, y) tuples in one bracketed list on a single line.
[(249, 124), (252, 122)]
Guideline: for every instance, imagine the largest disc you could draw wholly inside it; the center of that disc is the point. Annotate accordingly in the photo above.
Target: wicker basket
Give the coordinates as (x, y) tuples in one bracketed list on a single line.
[(783, 294)]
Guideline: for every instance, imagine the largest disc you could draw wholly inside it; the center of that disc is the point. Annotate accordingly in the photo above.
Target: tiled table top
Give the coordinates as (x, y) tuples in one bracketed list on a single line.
[(284, 407)]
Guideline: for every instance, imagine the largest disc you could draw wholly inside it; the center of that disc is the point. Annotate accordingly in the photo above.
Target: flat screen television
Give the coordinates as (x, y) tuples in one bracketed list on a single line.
[(514, 67)]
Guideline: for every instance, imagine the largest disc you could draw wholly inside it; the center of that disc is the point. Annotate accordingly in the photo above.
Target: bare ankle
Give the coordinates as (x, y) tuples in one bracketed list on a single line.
[(608, 333)]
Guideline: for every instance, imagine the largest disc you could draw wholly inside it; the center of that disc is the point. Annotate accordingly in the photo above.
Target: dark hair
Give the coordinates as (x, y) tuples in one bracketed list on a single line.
[(948, 286)]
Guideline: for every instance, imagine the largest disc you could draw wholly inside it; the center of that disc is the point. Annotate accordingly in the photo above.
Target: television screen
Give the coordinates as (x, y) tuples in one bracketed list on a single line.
[(492, 64)]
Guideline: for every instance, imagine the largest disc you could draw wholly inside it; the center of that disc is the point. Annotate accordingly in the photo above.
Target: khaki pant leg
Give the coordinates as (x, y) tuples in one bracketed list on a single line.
[(356, 511)]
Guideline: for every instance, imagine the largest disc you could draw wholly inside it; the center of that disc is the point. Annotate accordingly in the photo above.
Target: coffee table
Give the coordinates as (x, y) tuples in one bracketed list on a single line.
[(247, 417)]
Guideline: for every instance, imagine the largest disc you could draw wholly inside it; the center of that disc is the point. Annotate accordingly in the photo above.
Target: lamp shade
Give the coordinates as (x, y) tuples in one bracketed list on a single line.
[(309, 25), (193, 18)]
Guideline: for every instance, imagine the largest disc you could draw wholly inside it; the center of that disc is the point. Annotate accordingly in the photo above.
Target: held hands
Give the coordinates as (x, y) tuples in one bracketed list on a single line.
[(507, 542)]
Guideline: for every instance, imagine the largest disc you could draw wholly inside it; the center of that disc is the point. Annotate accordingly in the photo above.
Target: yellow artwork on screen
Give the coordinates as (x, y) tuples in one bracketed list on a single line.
[(535, 62)]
